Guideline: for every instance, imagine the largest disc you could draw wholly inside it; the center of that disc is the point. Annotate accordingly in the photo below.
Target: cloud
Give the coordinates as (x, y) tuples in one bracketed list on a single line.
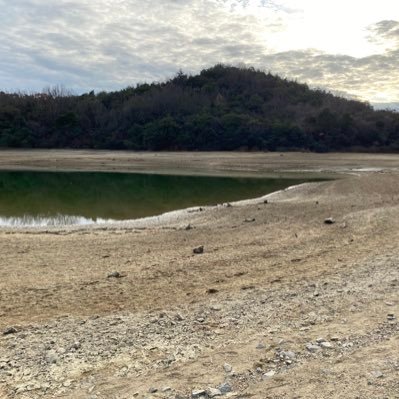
[(374, 78), (387, 30), (107, 45)]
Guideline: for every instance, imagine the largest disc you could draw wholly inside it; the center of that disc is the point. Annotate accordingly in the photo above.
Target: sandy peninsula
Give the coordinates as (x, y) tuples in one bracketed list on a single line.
[(279, 304)]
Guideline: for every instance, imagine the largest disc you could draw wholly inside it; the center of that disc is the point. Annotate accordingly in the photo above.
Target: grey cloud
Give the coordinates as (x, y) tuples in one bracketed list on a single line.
[(385, 33), (367, 77), (99, 45), (105, 45), (386, 28)]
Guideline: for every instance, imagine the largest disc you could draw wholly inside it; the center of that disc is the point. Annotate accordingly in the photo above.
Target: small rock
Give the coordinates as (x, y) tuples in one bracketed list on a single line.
[(391, 316), (320, 340), (225, 388), (153, 390), (249, 220), (265, 201), (199, 250), (213, 392), (227, 368), (216, 308), (288, 355), (212, 291), (166, 389), (179, 317), (10, 330), (51, 357), (115, 275), (312, 348), (334, 339), (76, 345), (377, 374), (188, 227), (326, 345), (329, 221), (269, 374), (198, 393), (260, 345)]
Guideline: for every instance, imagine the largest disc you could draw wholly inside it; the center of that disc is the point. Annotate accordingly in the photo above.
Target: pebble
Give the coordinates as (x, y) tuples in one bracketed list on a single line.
[(377, 374), (228, 368), (269, 374), (51, 357), (153, 390), (326, 345), (213, 392), (114, 275), (260, 346), (312, 348), (329, 221), (198, 250), (225, 388), (288, 355), (198, 393), (10, 330), (75, 345)]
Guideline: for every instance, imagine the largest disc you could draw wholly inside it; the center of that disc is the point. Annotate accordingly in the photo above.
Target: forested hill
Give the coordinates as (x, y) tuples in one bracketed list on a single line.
[(222, 108)]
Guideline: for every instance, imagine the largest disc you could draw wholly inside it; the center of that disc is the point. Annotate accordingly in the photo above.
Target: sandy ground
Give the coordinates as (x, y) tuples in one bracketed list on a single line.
[(208, 163), (279, 305)]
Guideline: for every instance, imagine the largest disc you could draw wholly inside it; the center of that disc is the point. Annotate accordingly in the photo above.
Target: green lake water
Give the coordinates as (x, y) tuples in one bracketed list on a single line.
[(59, 198)]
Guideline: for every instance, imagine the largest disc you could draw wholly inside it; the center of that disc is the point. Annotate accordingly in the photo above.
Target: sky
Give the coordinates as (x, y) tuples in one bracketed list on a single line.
[(348, 47)]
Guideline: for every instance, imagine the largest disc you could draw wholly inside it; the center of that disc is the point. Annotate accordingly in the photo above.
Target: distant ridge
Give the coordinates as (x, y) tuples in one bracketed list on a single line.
[(221, 108)]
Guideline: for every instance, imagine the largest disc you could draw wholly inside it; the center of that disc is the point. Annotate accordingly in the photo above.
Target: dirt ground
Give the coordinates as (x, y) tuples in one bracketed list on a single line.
[(278, 305)]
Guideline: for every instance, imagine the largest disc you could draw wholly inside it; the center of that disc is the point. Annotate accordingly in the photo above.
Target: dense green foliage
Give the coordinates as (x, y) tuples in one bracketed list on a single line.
[(222, 108)]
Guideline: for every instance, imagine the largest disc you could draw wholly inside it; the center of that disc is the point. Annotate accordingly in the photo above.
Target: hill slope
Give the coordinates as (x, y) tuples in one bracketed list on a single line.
[(222, 108)]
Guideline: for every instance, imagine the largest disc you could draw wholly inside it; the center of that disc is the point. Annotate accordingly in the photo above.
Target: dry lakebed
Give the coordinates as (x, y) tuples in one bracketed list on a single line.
[(292, 295)]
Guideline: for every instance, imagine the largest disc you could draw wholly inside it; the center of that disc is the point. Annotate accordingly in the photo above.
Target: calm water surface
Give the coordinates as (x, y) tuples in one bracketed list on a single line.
[(47, 198)]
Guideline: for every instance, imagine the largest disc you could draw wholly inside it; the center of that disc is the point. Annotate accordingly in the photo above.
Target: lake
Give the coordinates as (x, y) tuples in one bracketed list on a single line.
[(62, 198)]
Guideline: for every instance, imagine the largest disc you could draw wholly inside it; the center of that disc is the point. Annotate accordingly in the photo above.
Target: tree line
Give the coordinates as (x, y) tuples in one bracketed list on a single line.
[(221, 108)]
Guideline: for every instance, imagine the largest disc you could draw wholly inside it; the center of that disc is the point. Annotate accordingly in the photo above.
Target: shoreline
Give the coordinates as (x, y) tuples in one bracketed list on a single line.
[(164, 220)]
